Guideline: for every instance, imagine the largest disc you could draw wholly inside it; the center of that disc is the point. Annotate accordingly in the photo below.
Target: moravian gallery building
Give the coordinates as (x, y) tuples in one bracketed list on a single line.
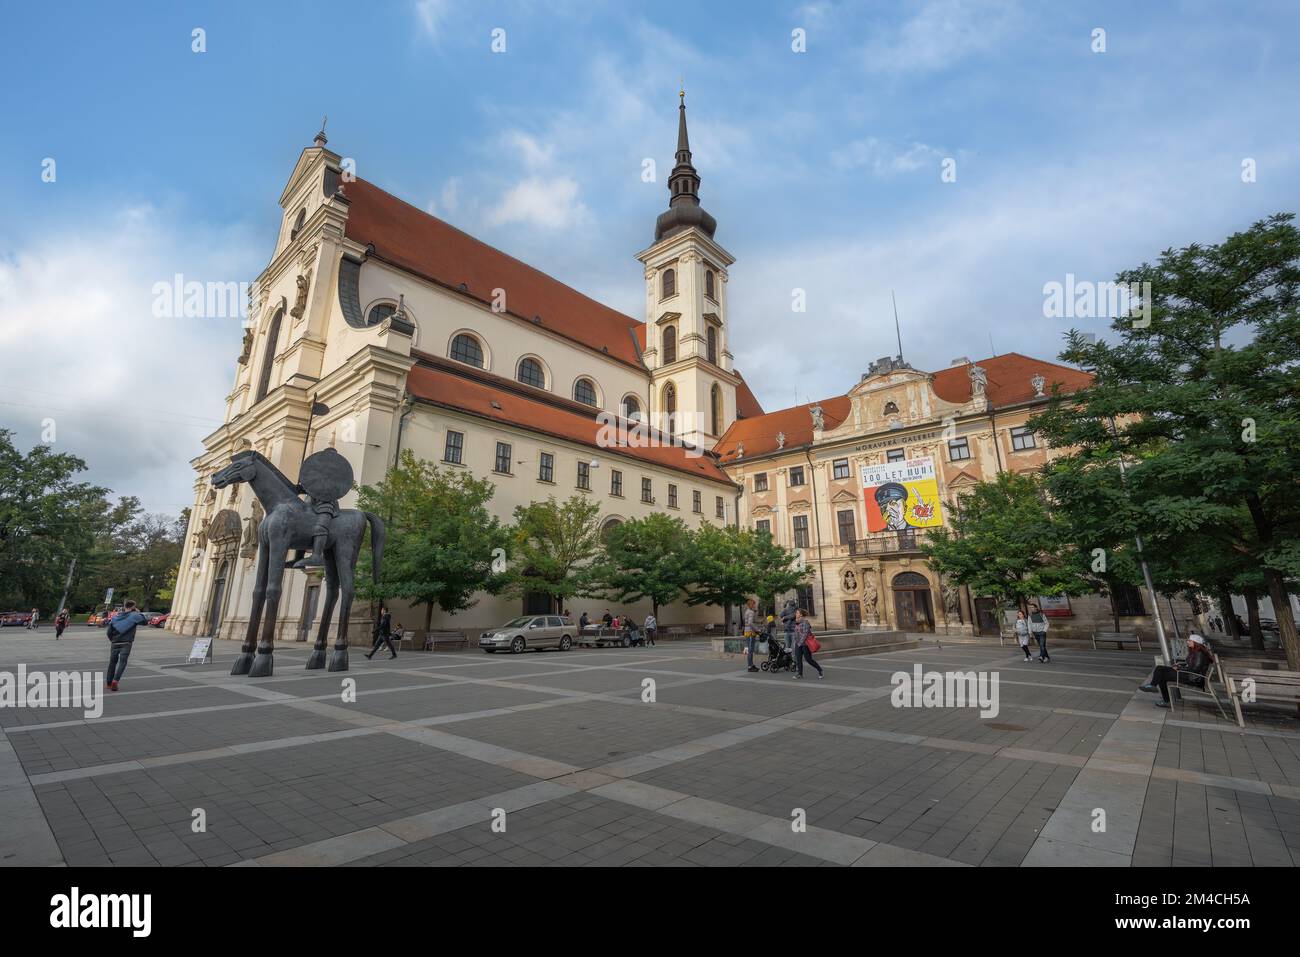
[(418, 337)]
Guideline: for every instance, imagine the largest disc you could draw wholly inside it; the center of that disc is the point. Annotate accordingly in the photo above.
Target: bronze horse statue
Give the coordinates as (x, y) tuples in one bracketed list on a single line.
[(291, 523)]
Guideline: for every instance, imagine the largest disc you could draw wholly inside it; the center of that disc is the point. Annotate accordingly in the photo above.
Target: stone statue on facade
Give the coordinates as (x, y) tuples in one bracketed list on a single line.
[(1038, 382), (300, 304), (870, 598), (780, 440), (247, 347), (291, 523), (979, 381), (818, 417)]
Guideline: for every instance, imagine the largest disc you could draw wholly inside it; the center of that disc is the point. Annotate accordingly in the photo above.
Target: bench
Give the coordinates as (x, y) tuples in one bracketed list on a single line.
[(454, 639), (1121, 638), (1262, 685), (1179, 687)]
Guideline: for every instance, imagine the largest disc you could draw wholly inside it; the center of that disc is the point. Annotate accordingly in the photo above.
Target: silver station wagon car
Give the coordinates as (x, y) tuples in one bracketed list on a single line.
[(530, 631)]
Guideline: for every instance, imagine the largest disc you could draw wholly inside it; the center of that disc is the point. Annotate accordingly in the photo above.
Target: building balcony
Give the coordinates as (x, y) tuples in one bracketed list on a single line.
[(906, 542)]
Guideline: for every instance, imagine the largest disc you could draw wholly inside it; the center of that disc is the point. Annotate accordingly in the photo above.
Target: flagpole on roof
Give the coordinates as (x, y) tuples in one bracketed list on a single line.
[(897, 330)]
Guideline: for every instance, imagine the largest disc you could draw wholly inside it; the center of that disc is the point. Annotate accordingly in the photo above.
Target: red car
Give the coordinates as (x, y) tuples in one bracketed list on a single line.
[(13, 619), (159, 621)]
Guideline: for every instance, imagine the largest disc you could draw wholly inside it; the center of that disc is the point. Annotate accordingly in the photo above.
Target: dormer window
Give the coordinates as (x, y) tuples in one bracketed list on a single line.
[(668, 286), (891, 408), (379, 313), (298, 224)]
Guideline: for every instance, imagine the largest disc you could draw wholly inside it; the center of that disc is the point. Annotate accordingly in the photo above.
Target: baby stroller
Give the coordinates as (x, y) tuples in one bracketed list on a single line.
[(779, 657)]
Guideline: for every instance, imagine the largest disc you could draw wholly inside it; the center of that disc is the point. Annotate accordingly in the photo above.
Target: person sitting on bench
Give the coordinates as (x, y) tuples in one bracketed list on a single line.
[(1193, 670)]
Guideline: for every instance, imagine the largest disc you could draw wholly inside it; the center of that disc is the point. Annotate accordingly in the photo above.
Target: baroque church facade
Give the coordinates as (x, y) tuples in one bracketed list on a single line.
[(416, 336)]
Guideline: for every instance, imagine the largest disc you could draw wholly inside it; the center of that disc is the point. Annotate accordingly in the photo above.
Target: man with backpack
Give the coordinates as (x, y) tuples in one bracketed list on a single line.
[(121, 633), (1038, 628)]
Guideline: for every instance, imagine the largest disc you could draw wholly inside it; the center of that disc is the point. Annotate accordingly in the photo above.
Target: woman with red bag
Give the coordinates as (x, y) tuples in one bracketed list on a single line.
[(805, 643)]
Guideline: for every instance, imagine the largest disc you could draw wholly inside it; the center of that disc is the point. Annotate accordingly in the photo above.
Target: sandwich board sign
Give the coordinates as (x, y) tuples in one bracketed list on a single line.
[(201, 651)]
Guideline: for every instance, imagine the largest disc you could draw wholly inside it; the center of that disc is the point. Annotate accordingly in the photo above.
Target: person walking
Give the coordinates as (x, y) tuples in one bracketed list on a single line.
[(121, 634), (1022, 633), (751, 633), (60, 623), (1038, 627), (651, 626), (31, 622), (802, 651), (383, 634), (787, 622)]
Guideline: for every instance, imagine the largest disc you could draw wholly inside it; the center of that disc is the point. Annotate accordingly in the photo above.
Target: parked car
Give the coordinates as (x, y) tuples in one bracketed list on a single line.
[(159, 620), (529, 631), (100, 618), (13, 619)]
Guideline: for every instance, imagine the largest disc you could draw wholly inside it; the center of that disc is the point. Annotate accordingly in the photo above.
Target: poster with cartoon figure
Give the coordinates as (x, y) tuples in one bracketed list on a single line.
[(901, 495)]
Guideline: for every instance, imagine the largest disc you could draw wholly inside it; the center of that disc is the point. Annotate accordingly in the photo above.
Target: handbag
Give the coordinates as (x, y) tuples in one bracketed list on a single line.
[(812, 644)]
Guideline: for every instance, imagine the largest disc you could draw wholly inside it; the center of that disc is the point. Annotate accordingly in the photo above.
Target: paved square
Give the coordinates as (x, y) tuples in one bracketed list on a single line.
[(644, 756)]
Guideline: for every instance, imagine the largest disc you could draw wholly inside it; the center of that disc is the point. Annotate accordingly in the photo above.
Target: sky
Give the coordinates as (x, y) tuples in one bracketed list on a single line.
[(824, 167)]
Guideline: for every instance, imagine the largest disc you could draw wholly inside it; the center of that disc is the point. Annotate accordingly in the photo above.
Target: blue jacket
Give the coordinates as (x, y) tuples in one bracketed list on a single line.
[(124, 623)]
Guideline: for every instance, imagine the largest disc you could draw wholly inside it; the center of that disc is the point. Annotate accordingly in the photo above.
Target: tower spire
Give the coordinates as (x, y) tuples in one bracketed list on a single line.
[(684, 210)]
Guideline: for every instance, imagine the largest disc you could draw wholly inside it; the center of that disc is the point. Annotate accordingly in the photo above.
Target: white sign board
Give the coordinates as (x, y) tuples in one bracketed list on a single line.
[(201, 651), (108, 597)]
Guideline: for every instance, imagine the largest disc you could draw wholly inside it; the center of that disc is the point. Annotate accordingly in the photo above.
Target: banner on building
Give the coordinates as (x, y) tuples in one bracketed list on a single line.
[(902, 495), (1055, 606)]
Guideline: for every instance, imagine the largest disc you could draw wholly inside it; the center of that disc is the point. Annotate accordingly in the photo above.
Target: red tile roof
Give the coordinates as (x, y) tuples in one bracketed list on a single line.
[(1009, 379), (759, 433), (747, 406), (413, 240), (490, 397)]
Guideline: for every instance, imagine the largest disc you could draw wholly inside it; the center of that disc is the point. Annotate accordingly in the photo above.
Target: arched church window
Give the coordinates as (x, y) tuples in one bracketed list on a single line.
[(708, 285), (712, 346), (715, 409), (585, 392), (670, 344), (631, 408), (669, 283), (670, 409), (378, 313), (268, 357), (465, 348), (531, 373), (298, 224)]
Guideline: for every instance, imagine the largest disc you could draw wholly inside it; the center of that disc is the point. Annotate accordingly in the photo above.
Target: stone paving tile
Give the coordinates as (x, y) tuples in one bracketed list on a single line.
[(145, 698), (1275, 760), (916, 798), (444, 698), (311, 684), (1188, 824), (592, 733), (43, 750), (611, 681), (779, 694), (588, 831), (259, 803)]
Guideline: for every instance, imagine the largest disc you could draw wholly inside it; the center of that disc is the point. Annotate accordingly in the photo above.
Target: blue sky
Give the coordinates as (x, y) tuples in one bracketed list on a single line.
[(822, 169)]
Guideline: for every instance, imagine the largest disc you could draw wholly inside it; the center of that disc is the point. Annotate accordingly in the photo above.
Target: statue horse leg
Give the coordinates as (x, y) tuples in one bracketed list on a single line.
[(316, 659), (244, 661), (263, 664), (343, 561)]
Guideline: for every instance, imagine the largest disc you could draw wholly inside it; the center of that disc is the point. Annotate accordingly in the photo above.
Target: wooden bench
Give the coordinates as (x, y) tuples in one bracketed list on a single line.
[(1121, 638), (454, 639), (1262, 685)]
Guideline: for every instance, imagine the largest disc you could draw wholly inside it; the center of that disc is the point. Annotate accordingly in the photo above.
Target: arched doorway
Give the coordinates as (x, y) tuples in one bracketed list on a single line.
[(216, 604), (913, 608)]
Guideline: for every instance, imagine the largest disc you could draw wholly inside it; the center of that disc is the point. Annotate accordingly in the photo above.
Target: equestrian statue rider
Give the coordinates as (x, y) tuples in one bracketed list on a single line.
[(325, 477)]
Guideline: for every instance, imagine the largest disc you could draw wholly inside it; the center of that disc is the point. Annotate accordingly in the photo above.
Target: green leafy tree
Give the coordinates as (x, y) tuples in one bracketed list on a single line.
[(443, 544), (1004, 543), (729, 565), (556, 549), (646, 558), (1200, 398)]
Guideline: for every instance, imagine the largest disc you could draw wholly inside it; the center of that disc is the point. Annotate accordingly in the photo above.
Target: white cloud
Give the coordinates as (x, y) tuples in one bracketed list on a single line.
[(131, 394), (550, 203), (430, 14), (941, 34), (885, 159)]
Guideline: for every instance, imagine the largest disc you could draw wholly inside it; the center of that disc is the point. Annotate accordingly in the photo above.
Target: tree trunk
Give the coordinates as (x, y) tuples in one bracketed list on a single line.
[(1285, 619), (1229, 616), (726, 619), (1252, 618), (428, 616)]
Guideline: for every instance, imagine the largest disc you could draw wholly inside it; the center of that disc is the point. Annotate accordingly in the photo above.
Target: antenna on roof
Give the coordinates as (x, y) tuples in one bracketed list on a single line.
[(897, 330), (992, 351)]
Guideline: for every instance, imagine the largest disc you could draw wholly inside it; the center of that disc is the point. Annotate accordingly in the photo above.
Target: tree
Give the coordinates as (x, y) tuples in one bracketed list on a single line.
[(1004, 543), (443, 545), (775, 569), (1199, 394), (646, 558), (556, 549), (729, 565)]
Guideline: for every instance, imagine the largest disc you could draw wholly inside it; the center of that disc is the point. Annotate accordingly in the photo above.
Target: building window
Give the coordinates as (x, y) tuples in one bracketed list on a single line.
[(958, 450), (670, 344), (891, 408), (647, 491), (672, 496), (609, 526), (711, 346), (1022, 438), (584, 392), (546, 470), (760, 482), (764, 526), (455, 446), (895, 455), (670, 408), (715, 410), (805, 599), (1127, 600), (584, 475), (840, 468), (696, 502), (268, 356), (531, 373), (796, 475), (721, 508), (709, 289), (616, 482), (801, 531), (848, 528), (852, 614), (503, 458), (298, 224), (669, 287), (380, 312), (465, 348), (631, 409)]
